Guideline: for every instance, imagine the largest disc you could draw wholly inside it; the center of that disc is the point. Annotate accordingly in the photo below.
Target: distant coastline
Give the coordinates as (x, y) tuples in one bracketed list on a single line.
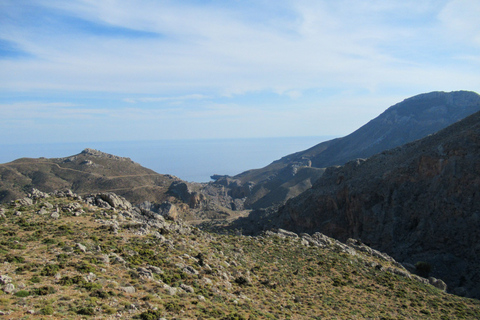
[(190, 160)]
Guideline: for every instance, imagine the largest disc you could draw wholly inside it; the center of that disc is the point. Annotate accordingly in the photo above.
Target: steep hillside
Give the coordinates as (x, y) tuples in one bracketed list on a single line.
[(65, 257), (409, 120), (87, 172), (416, 202)]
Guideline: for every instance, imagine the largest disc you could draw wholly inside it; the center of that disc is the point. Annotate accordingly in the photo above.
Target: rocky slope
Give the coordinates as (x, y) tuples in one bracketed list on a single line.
[(409, 120), (69, 257), (417, 202)]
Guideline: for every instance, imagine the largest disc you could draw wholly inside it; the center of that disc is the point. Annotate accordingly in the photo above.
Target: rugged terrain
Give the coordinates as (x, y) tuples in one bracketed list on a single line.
[(416, 202), (87, 172), (409, 120), (93, 171), (98, 257)]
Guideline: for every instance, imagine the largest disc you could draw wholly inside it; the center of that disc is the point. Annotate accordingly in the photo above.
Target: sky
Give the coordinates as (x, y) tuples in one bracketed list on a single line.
[(128, 70)]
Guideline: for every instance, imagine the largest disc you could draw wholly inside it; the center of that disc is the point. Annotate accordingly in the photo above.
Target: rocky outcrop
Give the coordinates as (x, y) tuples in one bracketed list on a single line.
[(108, 200), (417, 202), (184, 191)]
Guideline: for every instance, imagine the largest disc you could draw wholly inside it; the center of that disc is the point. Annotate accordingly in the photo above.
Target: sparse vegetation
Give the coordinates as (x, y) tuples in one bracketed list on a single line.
[(173, 270)]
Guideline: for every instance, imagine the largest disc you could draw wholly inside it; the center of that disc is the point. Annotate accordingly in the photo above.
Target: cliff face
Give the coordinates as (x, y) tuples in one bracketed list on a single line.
[(417, 202), (409, 120)]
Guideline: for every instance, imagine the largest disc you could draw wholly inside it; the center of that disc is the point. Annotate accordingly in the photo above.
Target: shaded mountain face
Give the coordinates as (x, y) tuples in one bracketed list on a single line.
[(417, 202), (409, 120), (88, 172)]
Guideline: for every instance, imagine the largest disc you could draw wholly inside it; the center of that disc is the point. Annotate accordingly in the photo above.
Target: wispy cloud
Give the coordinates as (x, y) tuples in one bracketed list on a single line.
[(187, 58)]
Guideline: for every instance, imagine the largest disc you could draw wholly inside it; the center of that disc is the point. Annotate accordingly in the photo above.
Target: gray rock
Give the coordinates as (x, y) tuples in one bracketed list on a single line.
[(115, 201), (90, 277), (154, 269), (172, 291), (190, 270), (187, 288), (4, 279), (37, 194), (48, 205), (129, 289), (116, 259), (25, 202), (81, 247), (42, 211), (9, 288), (143, 272), (55, 215), (437, 283)]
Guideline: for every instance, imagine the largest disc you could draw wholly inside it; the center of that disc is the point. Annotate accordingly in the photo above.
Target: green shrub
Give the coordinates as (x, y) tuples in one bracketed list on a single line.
[(15, 259), (47, 310), (50, 270), (423, 268), (42, 291), (22, 293), (150, 315), (87, 311)]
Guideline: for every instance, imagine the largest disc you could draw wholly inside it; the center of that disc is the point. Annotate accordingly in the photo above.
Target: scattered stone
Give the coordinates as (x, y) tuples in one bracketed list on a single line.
[(144, 272), (81, 247), (187, 288), (4, 279), (9, 288), (129, 289), (25, 202), (37, 194), (154, 269), (117, 259), (190, 270), (201, 298), (55, 215), (90, 277), (48, 205), (172, 291), (437, 283), (42, 211)]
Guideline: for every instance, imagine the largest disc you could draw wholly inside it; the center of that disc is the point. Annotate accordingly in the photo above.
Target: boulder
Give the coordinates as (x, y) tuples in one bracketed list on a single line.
[(115, 201)]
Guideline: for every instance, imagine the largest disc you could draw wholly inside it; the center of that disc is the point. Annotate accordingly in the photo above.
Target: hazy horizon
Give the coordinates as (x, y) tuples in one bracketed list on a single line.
[(189, 159)]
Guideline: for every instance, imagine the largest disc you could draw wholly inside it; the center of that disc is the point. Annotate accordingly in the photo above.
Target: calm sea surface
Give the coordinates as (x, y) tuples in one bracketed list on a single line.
[(190, 160)]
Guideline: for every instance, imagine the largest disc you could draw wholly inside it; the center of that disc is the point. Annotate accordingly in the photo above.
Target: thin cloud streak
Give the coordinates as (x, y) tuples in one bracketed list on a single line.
[(174, 60)]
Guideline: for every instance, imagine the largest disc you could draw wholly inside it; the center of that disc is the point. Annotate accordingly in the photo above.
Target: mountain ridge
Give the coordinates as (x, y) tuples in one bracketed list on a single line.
[(411, 119)]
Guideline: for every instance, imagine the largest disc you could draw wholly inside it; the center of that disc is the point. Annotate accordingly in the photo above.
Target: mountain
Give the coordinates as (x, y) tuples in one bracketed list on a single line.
[(409, 120), (66, 258), (93, 171), (87, 172), (417, 202)]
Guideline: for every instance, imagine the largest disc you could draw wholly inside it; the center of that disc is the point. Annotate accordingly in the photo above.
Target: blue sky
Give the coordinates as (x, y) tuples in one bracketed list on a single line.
[(115, 70)]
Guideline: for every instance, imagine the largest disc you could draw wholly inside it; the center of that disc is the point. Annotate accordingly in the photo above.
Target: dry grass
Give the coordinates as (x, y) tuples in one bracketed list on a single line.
[(233, 277)]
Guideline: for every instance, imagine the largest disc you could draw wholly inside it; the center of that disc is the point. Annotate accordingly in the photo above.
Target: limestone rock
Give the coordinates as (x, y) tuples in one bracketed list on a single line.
[(113, 200), (4, 279), (438, 283), (9, 288), (129, 289)]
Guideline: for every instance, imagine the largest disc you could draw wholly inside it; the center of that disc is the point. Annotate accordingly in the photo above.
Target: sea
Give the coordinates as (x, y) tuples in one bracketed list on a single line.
[(194, 160)]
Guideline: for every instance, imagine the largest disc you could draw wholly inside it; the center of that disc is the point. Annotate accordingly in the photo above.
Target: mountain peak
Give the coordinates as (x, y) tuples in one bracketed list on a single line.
[(100, 154)]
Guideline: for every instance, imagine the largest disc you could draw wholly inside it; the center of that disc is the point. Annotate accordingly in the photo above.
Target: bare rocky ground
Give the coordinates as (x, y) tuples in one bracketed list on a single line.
[(98, 257)]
